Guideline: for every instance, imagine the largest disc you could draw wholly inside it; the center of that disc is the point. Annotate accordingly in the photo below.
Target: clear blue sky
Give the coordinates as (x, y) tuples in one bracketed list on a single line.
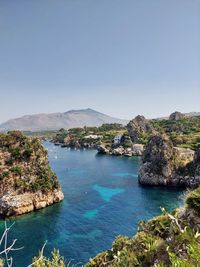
[(121, 57)]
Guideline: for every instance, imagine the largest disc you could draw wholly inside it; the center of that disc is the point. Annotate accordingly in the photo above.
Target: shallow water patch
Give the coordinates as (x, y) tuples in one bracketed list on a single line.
[(107, 193), (91, 214)]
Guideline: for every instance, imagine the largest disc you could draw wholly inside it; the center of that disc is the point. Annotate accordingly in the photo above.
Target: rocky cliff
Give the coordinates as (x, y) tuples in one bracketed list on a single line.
[(175, 116), (139, 128), (163, 164), (27, 181)]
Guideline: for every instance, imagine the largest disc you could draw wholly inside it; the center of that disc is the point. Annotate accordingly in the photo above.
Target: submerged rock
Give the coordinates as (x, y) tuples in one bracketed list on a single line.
[(27, 181)]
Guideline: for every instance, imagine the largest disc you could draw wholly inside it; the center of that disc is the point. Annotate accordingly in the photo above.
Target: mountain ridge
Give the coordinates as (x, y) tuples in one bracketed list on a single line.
[(57, 120)]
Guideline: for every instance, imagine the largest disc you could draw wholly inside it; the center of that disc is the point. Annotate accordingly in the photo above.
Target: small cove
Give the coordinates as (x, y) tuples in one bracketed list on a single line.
[(102, 200)]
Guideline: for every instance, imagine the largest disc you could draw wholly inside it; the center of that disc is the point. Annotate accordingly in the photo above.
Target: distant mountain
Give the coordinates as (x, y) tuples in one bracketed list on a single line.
[(54, 121)]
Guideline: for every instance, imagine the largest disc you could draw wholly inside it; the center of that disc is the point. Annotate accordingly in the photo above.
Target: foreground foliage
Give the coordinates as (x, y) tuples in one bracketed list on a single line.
[(55, 260), (167, 240)]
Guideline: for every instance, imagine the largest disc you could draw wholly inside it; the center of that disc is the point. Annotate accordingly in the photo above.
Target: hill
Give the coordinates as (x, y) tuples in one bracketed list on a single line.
[(55, 121)]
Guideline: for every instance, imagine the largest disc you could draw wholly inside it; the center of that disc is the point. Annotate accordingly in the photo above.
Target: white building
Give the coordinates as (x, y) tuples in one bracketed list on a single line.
[(92, 136), (117, 139)]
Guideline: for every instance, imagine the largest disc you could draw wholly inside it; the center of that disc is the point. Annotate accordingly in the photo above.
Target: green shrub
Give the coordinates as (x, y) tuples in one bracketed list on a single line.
[(4, 174), (15, 152), (193, 199), (55, 260), (16, 170)]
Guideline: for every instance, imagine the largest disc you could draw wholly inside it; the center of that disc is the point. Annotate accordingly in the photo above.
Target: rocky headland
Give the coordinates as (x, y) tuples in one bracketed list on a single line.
[(164, 164), (139, 128), (27, 181)]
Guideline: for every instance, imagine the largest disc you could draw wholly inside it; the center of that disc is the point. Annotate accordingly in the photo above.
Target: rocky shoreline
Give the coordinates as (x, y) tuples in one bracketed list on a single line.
[(135, 150), (13, 205)]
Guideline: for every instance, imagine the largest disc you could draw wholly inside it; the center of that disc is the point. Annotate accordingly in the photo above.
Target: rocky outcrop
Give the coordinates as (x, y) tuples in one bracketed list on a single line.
[(102, 150), (27, 181), (176, 116), (138, 128), (197, 164), (17, 204), (135, 150), (157, 162), (193, 170), (162, 164)]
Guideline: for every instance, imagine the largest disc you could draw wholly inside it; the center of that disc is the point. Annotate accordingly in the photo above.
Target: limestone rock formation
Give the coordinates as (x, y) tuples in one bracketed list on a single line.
[(137, 149), (119, 151), (138, 128), (163, 164), (194, 169), (157, 161), (102, 150), (12, 204), (27, 181), (175, 116)]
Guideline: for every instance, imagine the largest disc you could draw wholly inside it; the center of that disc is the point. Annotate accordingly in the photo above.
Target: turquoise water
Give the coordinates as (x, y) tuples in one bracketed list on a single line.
[(102, 200)]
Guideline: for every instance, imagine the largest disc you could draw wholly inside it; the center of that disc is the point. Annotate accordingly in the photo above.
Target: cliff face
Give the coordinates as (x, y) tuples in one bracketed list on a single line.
[(138, 128), (176, 116), (163, 164), (27, 181), (157, 161)]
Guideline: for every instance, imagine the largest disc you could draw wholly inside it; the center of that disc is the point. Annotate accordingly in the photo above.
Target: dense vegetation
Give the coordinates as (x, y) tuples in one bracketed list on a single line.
[(24, 163), (183, 133), (105, 134), (41, 134)]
